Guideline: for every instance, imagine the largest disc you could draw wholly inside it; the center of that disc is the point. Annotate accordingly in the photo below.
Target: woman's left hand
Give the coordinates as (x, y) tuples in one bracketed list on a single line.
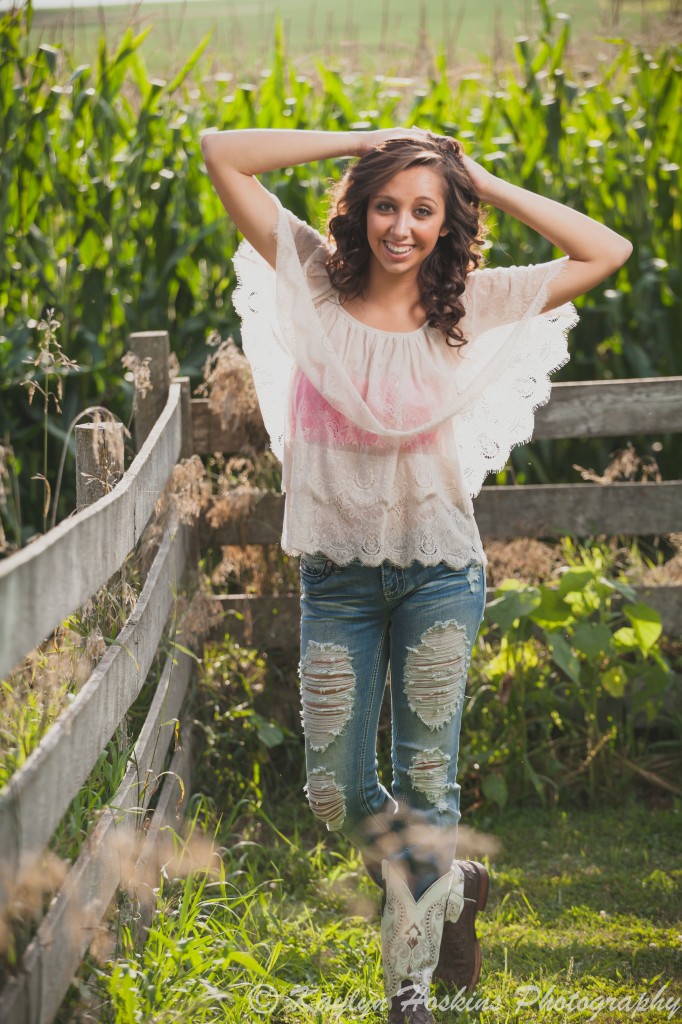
[(480, 178)]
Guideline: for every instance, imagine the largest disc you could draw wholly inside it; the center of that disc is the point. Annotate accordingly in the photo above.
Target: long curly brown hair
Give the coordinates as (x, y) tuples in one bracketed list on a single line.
[(443, 273)]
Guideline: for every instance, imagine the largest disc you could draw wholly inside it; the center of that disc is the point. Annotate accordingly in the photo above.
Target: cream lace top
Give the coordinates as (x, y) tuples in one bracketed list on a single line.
[(385, 437)]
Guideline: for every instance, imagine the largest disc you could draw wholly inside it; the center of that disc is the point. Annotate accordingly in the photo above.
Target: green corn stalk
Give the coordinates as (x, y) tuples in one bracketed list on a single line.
[(109, 217)]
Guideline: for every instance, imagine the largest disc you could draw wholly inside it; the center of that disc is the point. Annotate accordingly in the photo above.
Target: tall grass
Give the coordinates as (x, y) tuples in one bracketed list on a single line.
[(109, 218)]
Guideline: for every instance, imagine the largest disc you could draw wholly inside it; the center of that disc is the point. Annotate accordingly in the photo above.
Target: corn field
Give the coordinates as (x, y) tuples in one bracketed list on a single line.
[(108, 217)]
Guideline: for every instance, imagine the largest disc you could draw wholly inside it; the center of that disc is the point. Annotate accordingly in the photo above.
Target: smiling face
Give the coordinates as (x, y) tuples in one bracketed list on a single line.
[(405, 219)]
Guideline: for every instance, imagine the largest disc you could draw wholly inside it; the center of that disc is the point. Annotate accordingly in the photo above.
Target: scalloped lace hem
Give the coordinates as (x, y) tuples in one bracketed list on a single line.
[(395, 560)]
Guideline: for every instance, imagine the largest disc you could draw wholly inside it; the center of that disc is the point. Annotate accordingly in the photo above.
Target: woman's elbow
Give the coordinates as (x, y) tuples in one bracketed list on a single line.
[(611, 257), (621, 252), (217, 148), (207, 144)]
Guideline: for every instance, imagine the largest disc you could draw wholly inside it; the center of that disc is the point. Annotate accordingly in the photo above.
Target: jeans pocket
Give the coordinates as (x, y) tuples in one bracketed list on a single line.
[(315, 568)]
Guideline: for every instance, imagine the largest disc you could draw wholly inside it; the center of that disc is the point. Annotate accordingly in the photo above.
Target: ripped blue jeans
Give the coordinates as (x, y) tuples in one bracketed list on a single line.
[(359, 625)]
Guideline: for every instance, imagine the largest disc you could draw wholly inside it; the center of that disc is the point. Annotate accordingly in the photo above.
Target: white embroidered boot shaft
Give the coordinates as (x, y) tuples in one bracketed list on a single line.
[(455, 903), (411, 933)]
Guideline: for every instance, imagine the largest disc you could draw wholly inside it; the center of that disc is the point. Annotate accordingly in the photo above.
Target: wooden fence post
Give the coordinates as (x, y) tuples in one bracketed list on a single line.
[(153, 346), (186, 452), (186, 408), (99, 461), (99, 467)]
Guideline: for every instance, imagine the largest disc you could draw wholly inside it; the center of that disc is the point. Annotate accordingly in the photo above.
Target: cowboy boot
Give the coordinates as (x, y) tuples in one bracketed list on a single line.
[(410, 940), (459, 960)]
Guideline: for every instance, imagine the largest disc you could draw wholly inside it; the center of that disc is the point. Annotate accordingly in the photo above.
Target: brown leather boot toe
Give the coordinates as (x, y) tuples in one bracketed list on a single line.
[(407, 1007)]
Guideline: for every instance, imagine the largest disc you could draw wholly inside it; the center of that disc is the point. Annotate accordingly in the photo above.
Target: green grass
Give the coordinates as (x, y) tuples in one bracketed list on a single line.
[(387, 35), (584, 906)]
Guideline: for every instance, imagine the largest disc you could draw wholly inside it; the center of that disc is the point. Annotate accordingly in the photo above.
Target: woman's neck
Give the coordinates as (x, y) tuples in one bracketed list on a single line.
[(390, 302)]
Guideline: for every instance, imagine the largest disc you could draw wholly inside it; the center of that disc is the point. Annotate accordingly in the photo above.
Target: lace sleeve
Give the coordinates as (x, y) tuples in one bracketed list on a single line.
[(270, 351), (506, 372), (306, 240), (500, 295)]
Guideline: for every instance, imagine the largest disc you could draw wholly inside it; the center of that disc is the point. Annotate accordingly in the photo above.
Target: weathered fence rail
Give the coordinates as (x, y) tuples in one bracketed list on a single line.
[(32, 804), (39, 587), (595, 408), (47, 581), (109, 530), (530, 510)]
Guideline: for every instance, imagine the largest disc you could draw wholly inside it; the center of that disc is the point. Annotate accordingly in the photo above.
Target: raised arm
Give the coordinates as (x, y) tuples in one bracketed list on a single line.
[(595, 251), (233, 158)]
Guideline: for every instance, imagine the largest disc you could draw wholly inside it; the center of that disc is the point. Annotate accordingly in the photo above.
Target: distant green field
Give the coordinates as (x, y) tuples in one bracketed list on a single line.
[(387, 36)]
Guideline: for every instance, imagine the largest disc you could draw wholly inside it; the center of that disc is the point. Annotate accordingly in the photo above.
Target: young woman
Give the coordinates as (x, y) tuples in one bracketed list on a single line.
[(393, 373)]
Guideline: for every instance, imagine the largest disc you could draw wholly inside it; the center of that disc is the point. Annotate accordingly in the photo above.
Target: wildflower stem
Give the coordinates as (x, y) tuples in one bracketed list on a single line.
[(46, 402)]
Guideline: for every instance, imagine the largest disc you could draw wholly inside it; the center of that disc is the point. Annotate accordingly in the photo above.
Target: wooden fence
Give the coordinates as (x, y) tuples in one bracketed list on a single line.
[(39, 587), (50, 579)]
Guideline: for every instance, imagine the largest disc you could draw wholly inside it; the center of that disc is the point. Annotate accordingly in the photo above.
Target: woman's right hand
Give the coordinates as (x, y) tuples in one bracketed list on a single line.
[(234, 158)]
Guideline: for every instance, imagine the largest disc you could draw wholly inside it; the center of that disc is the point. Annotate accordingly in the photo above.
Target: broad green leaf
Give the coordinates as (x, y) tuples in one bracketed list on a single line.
[(646, 623), (552, 609), (515, 604), (575, 580), (625, 637), (614, 680), (563, 656), (592, 639)]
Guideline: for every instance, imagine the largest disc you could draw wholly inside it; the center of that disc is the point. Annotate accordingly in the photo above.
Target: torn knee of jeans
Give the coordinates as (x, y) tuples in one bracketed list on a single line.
[(435, 673), (474, 575), (326, 798), (429, 774), (327, 692)]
